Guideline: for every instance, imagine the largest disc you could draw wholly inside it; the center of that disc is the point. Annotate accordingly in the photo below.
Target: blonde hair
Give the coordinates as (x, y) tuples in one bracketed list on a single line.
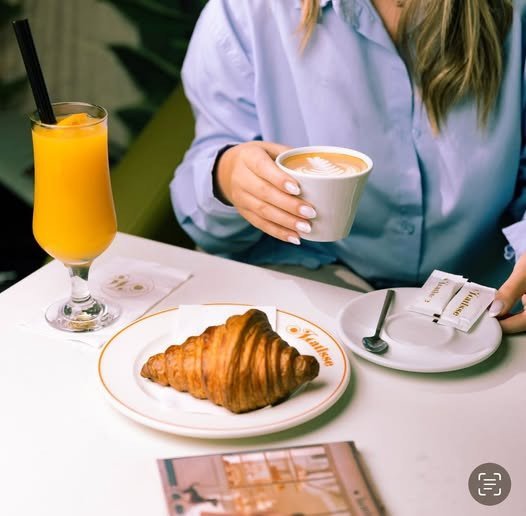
[(453, 49)]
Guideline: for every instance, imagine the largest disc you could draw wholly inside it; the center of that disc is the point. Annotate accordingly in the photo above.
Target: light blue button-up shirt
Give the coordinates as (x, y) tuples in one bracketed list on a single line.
[(430, 202)]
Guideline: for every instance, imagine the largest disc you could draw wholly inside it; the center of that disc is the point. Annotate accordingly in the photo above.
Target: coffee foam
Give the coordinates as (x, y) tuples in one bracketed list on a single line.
[(324, 164)]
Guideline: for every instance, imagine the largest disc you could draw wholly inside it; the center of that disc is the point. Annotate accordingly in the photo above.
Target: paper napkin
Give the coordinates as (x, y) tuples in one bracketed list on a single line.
[(135, 285), (195, 319)]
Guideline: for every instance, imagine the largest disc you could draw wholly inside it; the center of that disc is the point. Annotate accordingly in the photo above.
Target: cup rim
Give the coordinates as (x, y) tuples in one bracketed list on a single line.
[(325, 148), (35, 116)]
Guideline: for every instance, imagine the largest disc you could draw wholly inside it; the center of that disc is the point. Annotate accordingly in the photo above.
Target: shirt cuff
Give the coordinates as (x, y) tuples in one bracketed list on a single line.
[(516, 236), (205, 186)]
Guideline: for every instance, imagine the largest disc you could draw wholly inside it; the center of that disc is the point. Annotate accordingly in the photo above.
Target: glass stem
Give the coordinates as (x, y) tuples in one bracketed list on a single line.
[(81, 306), (80, 293), (81, 312)]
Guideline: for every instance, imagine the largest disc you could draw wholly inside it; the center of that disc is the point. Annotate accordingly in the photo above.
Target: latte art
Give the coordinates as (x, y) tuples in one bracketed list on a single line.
[(324, 164)]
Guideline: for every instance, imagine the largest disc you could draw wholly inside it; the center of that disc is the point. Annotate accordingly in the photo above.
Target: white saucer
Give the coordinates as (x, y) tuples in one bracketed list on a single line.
[(416, 343)]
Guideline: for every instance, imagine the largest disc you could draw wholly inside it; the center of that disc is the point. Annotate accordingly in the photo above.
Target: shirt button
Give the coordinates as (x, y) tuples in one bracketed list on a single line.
[(407, 227), (416, 132), (509, 252)]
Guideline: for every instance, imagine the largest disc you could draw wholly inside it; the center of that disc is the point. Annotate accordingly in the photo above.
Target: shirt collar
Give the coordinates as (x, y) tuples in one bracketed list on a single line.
[(323, 3), (344, 4), (348, 9)]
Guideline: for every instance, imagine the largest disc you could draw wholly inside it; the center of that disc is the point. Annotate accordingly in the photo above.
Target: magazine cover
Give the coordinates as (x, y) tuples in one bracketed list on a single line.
[(305, 480)]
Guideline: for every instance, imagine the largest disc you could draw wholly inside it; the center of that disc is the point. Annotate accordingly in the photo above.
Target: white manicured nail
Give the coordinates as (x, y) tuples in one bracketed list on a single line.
[(294, 240), (303, 227), (292, 188), (308, 212), (495, 308)]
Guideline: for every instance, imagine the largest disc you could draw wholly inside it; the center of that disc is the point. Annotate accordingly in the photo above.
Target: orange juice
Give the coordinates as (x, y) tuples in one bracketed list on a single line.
[(73, 217)]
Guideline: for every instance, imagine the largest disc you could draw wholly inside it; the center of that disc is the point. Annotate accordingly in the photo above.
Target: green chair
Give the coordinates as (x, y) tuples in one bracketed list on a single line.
[(141, 179)]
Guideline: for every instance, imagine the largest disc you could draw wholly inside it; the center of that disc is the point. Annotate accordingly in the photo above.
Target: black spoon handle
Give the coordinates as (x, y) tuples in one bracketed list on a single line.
[(385, 308)]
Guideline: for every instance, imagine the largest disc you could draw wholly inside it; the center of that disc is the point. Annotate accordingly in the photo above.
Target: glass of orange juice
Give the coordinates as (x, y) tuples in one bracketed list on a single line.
[(74, 217)]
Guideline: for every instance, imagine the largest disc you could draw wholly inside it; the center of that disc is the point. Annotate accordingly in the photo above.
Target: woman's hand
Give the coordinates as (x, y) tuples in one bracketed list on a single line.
[(513, 289), (248, 178)]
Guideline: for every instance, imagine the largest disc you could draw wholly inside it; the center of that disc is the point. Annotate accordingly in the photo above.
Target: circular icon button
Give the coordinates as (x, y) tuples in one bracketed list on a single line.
[(489, 484)]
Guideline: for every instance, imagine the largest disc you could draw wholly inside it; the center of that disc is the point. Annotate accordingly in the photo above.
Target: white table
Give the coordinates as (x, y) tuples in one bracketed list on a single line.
[(65, 451)]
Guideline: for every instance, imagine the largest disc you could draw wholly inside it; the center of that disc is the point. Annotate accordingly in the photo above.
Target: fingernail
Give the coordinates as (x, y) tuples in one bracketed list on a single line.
[(303, 227), (292, 188), (294, 240), (496, 308), (308, 212)]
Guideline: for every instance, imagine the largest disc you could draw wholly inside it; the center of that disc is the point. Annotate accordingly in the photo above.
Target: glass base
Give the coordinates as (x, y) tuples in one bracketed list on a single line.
[(77, 317)]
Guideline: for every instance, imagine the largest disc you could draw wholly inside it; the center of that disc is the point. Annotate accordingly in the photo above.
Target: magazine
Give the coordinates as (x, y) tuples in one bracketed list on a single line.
[(309, 480)]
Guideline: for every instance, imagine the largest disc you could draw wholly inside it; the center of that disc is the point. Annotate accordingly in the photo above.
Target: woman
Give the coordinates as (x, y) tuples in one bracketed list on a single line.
[(432, 91)]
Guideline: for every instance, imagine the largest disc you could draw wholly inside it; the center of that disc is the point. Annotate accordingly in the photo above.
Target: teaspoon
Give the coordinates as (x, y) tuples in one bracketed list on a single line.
[(375, 344)]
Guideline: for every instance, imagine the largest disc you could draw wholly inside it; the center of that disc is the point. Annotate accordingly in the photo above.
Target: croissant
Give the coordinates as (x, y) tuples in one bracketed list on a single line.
[(241, 365)]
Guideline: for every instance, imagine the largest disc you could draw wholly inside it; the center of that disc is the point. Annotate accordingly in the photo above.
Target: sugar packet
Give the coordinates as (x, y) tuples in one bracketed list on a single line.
[(436, 293), (463, 311)]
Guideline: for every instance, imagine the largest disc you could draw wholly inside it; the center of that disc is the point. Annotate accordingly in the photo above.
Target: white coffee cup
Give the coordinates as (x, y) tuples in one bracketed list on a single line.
[(333, 190)]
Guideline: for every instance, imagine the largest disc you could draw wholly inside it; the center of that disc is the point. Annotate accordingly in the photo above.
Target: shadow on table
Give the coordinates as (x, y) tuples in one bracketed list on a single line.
[(491, 363), (271, 438), (496, 370), (305, 428)]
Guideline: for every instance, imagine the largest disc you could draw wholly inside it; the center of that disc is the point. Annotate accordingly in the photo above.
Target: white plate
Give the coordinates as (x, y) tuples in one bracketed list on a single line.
[(166, 409), (416, 343)]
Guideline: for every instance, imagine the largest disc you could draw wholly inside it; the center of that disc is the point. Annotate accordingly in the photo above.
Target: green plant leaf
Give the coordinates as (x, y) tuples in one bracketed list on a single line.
[(164, 28), (116, 151), (157, 29), (9, 12), (155, 76), (11, 90), (135, 117), (138, 11)]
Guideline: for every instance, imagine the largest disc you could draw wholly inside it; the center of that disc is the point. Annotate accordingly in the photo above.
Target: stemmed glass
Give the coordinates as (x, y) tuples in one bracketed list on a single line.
[(74, 217)]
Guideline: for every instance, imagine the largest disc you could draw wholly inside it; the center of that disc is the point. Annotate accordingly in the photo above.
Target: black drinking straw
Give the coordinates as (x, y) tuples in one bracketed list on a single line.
[(34, 72)]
